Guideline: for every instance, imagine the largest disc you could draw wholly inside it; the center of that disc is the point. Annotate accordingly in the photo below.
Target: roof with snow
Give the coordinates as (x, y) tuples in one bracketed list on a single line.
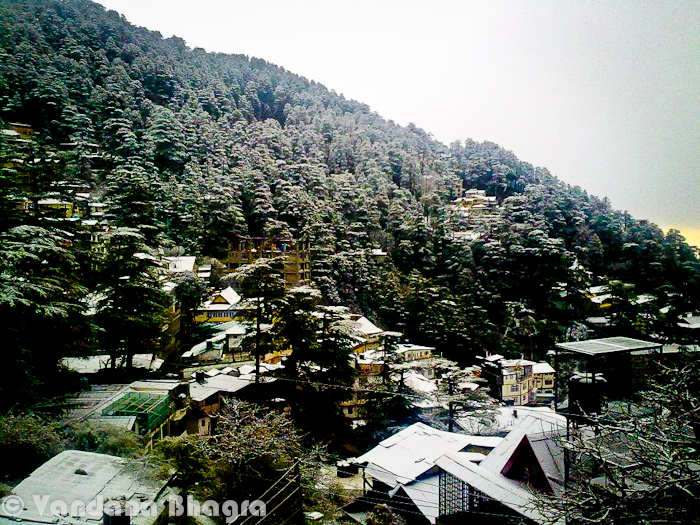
[(180, 264), (77, 476), (608, 345), (413, 451), (94, 363), (542, 368), (505, 419), (508, 492)]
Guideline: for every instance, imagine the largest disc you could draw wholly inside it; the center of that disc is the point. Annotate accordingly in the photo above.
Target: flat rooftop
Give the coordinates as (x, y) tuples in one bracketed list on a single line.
[(608, 345)]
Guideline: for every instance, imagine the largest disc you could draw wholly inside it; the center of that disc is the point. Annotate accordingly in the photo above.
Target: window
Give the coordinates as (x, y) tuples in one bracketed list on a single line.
[(513, 388), (548, 381), (203, 421)]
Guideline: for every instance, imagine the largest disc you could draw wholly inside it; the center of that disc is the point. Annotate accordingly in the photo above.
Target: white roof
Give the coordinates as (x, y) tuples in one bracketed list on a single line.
[(542, 368), (418, 382), (91, 364), (74, 475), (409, 453), (218, 383), (362, 325), (690, 321), (425, 495), (505, 419), (493, 485), (180, 264), (411, 348), (230, 295)]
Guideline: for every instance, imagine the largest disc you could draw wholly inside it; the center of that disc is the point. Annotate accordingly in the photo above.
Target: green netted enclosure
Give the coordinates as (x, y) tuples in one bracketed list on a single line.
[(150, 409)]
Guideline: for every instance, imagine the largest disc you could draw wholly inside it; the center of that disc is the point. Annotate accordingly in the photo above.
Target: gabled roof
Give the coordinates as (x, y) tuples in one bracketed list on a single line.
[(361, 325), (230, 296), (413, 451), (495, 486), (540, 437)]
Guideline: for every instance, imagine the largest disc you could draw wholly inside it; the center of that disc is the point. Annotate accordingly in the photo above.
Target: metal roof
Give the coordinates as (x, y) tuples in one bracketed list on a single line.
[(608, 345), (493, 485), (409, 453), (74, 475)]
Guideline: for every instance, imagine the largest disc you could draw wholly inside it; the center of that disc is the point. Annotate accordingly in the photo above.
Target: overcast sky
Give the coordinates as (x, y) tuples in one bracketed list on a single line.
[(604, 94)]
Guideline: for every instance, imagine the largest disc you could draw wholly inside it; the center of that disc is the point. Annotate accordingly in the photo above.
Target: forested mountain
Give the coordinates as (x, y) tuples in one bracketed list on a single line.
[(197, 147)]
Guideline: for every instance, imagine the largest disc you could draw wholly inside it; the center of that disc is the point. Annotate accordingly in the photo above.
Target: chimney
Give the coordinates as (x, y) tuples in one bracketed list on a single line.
[(515, 413)]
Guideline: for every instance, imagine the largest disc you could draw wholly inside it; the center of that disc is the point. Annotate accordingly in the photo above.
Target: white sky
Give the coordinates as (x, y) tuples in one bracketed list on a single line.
[(606, 95)]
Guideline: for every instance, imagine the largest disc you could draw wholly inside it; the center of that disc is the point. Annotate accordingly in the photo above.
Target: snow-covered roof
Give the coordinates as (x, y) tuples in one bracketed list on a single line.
[(690, 321), (94, 363), (230, 295), (411, 452), (418, 382), (180, 264), (217, 383), (89, 478), (505, 419), (410, 348), (493, 485), (542, 368), (425, 494), (362, 325)]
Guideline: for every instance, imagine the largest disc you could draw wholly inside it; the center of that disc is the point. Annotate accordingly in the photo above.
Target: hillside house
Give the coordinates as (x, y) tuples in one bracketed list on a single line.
[(153, 409), (402, 472), (518, 381), (221, 308)]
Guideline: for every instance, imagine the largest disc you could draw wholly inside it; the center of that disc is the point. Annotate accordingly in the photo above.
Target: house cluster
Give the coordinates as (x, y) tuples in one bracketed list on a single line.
[(158, 408), (467, 212), (438, 477)]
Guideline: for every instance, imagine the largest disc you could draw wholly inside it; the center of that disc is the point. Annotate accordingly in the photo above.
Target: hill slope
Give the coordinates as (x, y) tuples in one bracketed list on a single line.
[(217, 145)]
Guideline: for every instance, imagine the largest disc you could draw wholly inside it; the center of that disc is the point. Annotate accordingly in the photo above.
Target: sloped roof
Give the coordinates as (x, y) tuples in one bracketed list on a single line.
[(496, 486), (505, 419), (411, 452), (690, 321), (542, 440), (542, 368), (180, 264), (425, 494)]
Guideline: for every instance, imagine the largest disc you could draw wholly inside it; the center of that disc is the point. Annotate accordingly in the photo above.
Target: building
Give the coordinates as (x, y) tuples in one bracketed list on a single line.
[(402, 472), (504, 486), (545, 377), (153, 409), (221, 308), (409, 352), (296, 253), (77, 487), (515, 382), (366, 335)]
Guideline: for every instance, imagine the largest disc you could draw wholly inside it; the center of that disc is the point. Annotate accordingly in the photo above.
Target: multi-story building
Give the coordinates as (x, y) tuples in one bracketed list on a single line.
[(296, 253), (518, 381)]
